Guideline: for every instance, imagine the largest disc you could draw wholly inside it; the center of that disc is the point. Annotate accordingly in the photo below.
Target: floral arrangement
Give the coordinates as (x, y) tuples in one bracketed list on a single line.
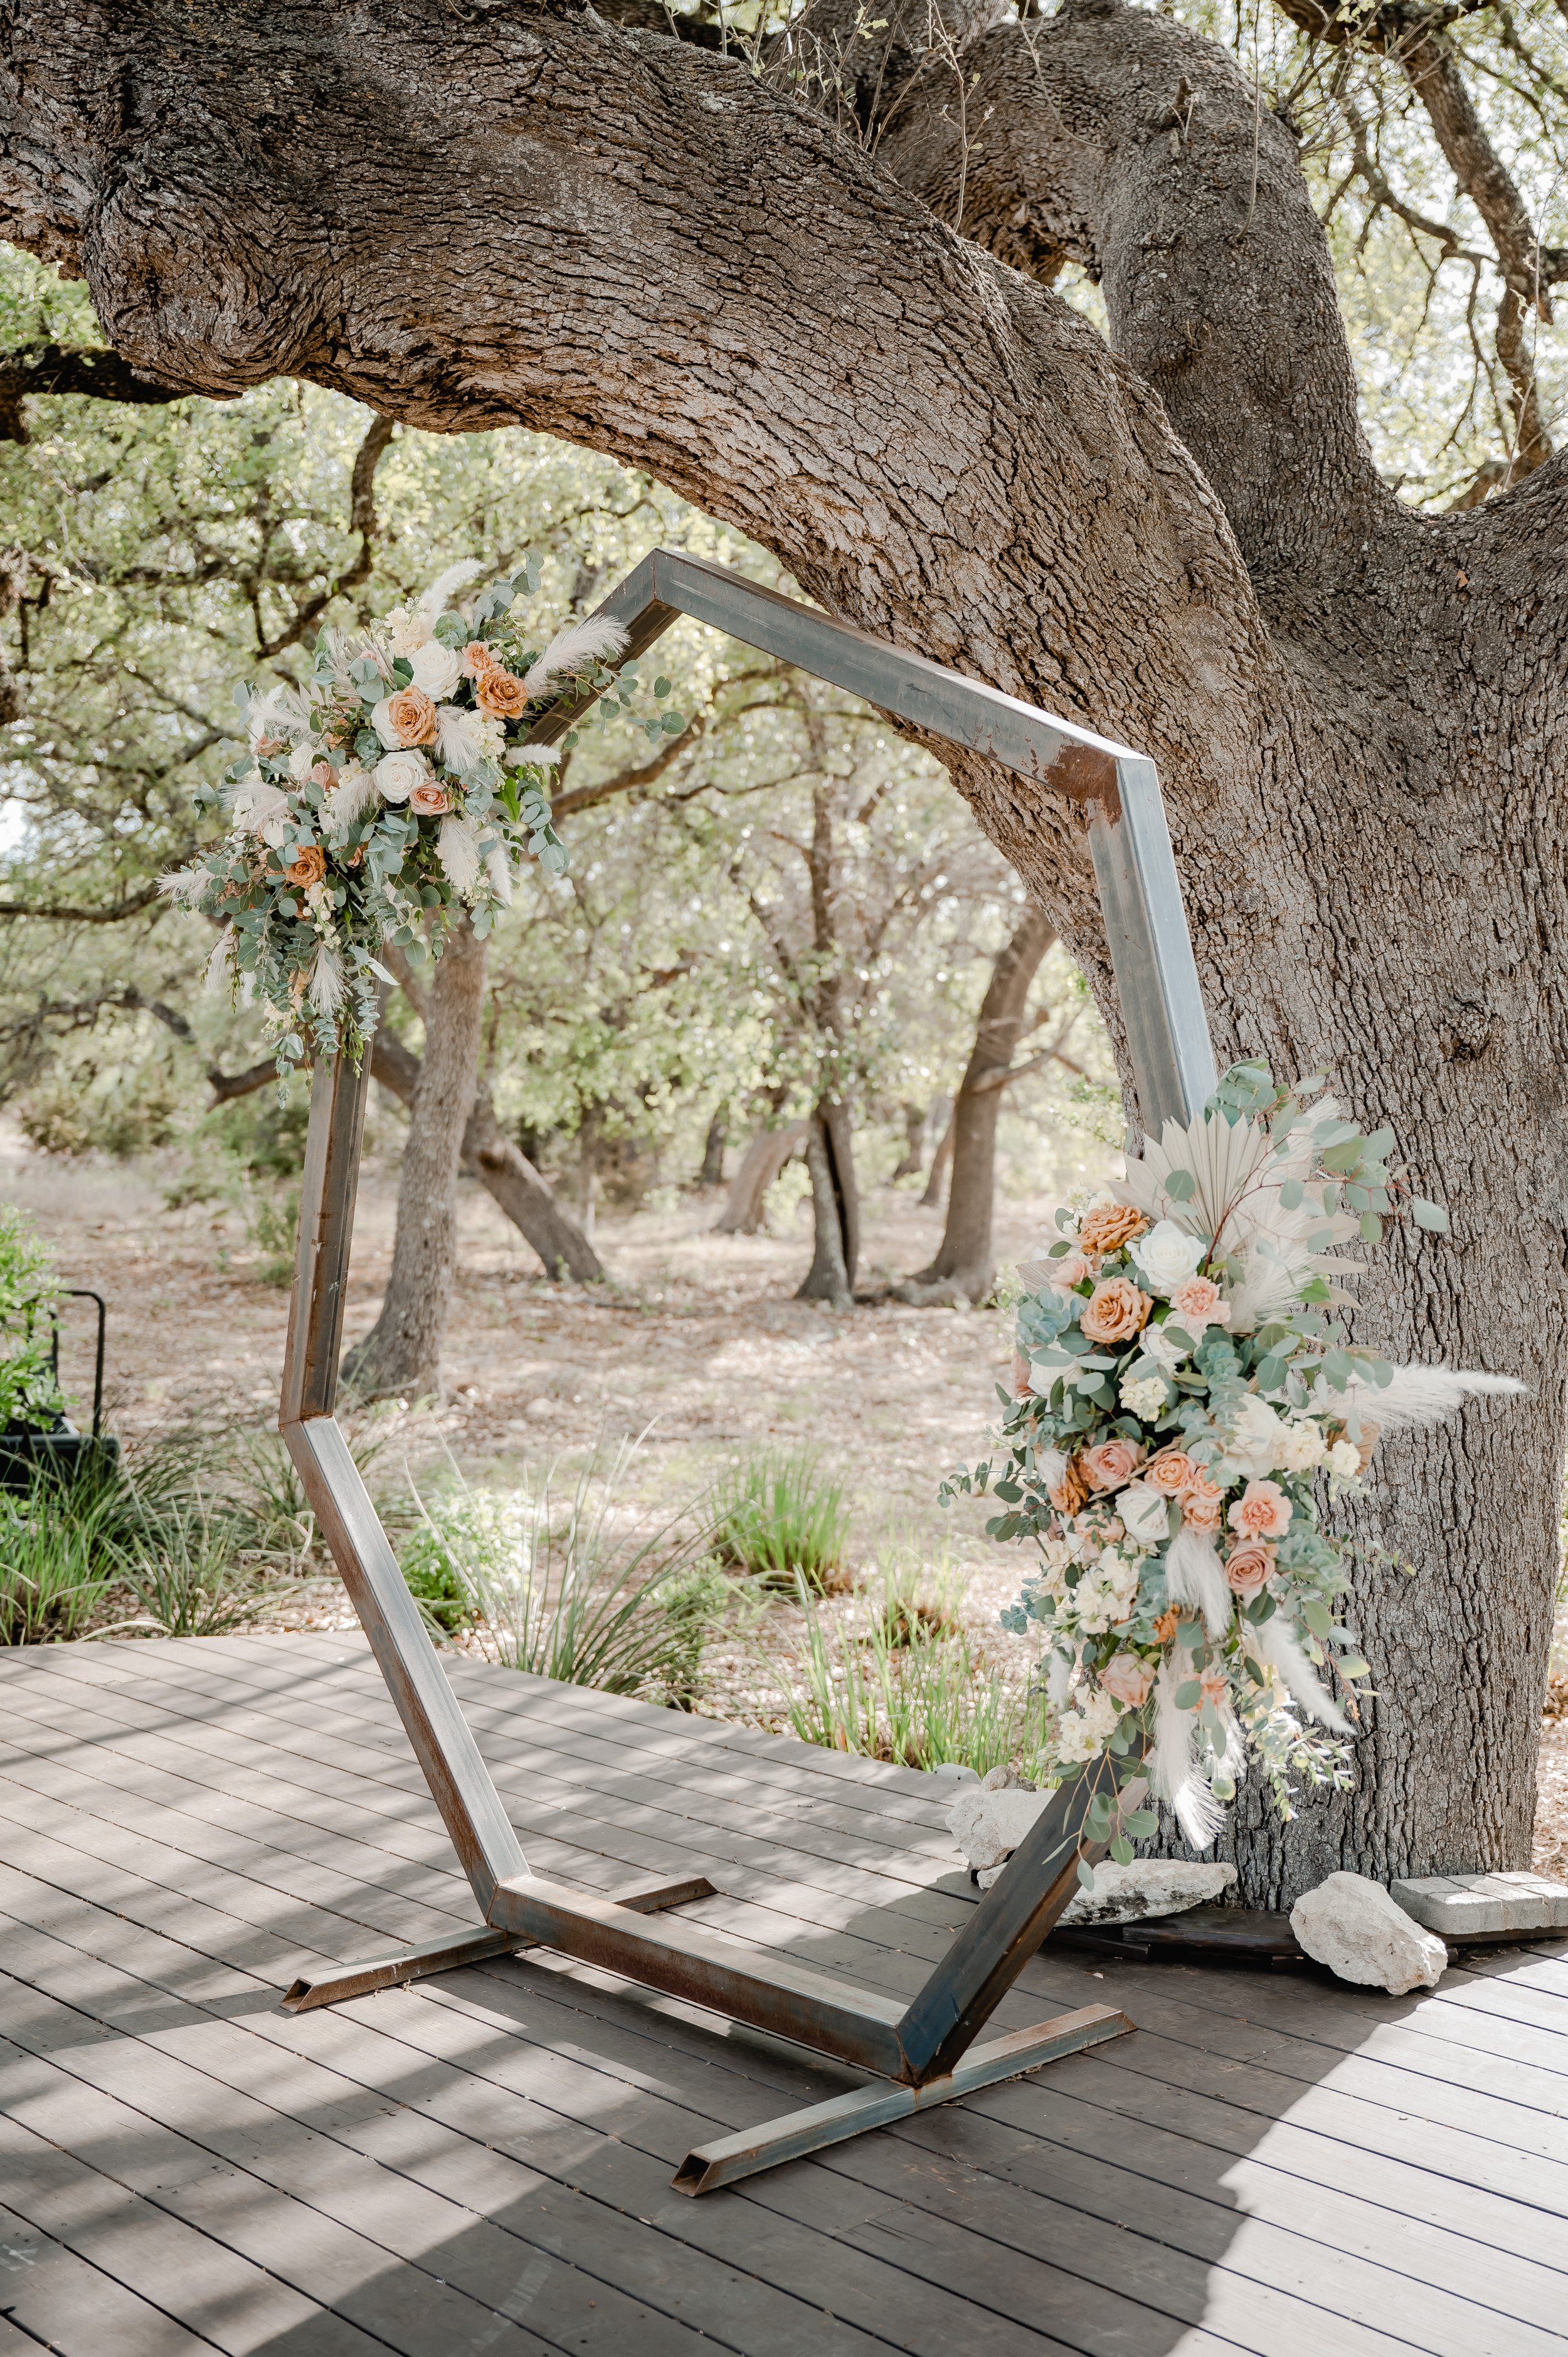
[(1179, 1391), (394, 785)]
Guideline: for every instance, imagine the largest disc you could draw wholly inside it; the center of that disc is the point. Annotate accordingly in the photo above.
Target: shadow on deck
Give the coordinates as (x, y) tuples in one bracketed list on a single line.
[(1273, 2164)]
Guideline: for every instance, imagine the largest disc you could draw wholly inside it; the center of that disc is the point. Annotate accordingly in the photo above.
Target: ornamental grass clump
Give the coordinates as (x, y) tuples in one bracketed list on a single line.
[(1183, 1394), (776, 1517), (565, 1580), (902, 1681)]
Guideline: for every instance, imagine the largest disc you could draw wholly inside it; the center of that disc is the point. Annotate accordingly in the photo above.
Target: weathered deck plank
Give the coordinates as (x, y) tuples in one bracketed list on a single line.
[(1273, 2165)]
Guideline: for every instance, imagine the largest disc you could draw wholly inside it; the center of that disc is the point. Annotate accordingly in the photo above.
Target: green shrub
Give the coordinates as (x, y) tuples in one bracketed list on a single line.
[(570, 1583), (776, 1517), (28, 1292)]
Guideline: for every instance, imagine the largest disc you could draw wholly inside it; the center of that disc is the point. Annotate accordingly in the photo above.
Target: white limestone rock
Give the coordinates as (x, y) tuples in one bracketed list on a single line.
[(1354, 1927), (1150, 1886), (989, 1825)]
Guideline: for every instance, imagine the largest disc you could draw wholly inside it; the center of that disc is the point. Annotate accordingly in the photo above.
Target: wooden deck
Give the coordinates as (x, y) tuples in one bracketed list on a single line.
[(1272, 2164)]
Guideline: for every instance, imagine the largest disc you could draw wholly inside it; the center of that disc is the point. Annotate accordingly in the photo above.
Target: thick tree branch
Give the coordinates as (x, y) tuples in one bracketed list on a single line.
[(1416, 37), (1117, 138), (840, 290), (59, 368), (133, 905)]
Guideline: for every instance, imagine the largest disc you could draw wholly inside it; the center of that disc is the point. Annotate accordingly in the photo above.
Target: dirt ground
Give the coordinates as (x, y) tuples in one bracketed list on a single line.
[(699, 1345)]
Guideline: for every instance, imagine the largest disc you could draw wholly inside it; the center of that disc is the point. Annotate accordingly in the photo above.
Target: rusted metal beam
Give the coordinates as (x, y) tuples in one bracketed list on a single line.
[(336, 1984), (443, 1741), (686, 1960), (1116, 790), (729, 2158), (328, 1188)]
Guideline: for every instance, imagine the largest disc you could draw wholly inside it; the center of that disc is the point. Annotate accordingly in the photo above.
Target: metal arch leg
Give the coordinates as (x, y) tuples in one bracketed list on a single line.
[(342, 1981), (917, 2050), (728, 2159)]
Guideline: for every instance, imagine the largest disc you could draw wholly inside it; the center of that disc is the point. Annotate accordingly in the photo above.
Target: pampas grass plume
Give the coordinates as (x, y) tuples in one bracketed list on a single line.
[(571, 649)]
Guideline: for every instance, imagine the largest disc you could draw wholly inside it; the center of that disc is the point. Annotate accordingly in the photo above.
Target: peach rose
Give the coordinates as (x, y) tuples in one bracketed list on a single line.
[(478, 659), (1021, 1386), (1070, 1270), (1248, 1567), (1166, 1625), (1116, 1310), (1111, 1465), (499, 694), (1196, 1302), (1129, 1678), (411, 716), (1106, 1230), (1262, 1512), (1201, 1504), (1070, 1494), (321, 772), (309, 867), (1172, 1471), (430, 800), (1214, 1684)]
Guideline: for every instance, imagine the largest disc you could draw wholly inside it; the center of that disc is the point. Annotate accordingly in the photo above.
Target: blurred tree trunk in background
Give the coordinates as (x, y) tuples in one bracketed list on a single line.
[(835, 1207), (964, 1266), (916, 1118), (712, 1173), (935, 1177), (499, 1165), (764, 1158), (401, 1352)]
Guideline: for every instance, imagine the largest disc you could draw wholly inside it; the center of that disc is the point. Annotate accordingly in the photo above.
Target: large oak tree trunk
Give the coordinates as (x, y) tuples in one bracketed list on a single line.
[(963, 1265), (401, 1352), (1360, 714)]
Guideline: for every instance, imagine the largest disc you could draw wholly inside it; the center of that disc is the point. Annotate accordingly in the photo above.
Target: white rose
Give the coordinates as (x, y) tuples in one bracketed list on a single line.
[(1344, 1459), (1256, 1437), (436, 669), (1145, 1513), (1168, 1255), (397, 774), (1301, 1447), (1160, 1344)]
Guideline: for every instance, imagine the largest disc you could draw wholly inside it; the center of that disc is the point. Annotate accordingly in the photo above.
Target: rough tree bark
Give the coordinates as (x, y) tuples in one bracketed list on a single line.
[(963, 1265), (520, 214), (935, 1177), (401, 1352)]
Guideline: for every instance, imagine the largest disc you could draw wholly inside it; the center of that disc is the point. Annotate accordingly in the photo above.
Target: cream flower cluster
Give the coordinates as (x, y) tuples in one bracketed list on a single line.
[(1182, 1401)]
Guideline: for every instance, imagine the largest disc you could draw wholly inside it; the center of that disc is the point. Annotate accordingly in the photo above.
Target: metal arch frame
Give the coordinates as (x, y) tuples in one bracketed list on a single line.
[(922, 2052)]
